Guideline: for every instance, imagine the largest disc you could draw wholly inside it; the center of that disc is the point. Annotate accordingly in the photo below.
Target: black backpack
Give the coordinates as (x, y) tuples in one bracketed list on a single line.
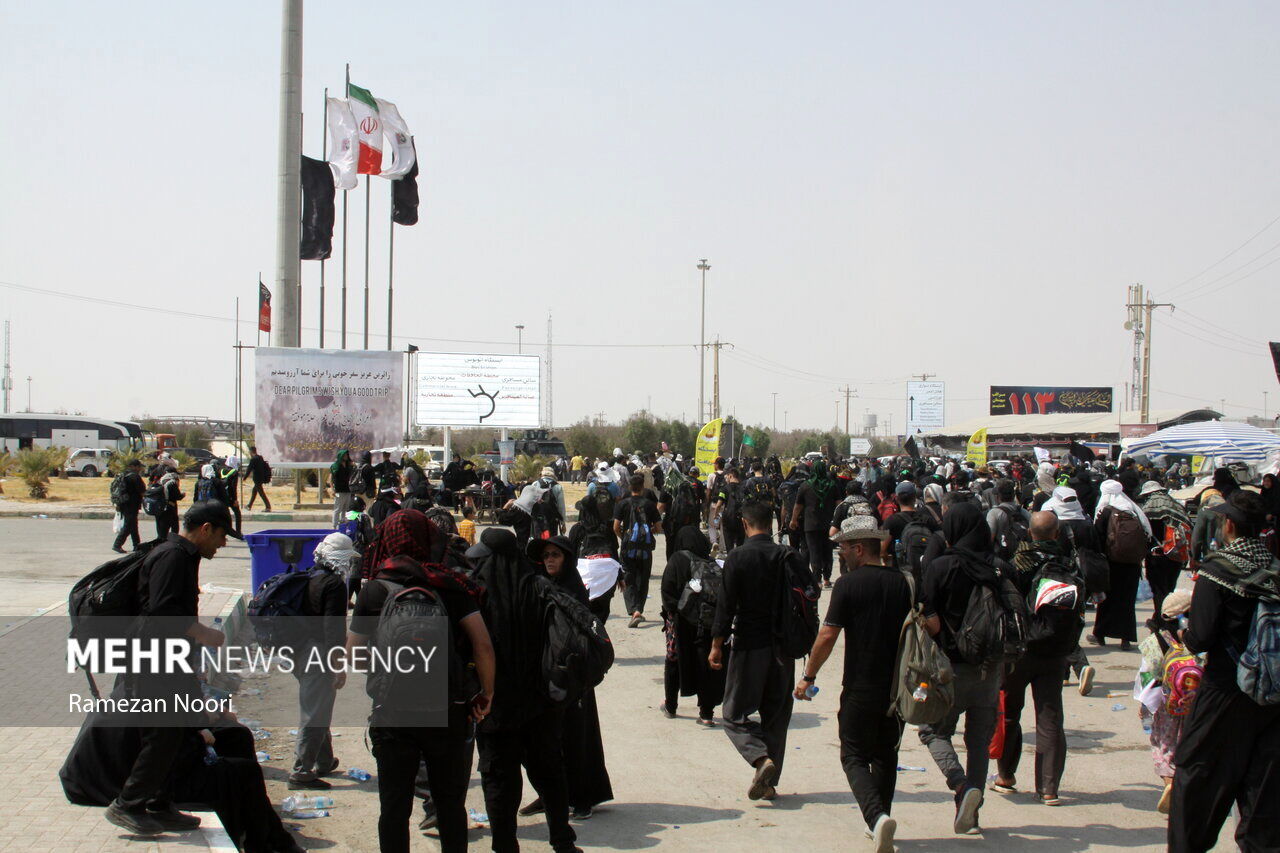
[(545, 513), (911, 547), (685, 509), (120, 491), (699, 605), (796, 619), (101, 600), (277, 608), (1055, 630), (415, 616), (637, 537), (994, 628), (577, 652), (360, 482), (759, 492), (154, 501), (1013, 534)]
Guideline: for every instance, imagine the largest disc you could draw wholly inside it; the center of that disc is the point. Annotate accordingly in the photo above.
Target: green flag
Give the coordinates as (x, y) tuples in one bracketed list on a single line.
[(747, 440)]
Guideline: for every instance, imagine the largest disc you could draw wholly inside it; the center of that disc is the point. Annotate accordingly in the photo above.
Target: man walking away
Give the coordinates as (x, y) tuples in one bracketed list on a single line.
[(1008, 520), (949, 581), (1230, 745), (168, 601), (870, 602), (727, 510), (759, 676), (340, 472), (126, 494), (168, 492), (260, 471), (324, 611), (636, 523), (1055, 595)]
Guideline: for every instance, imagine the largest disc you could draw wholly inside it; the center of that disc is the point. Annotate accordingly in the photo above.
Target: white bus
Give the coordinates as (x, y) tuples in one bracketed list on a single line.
[(18, 431)]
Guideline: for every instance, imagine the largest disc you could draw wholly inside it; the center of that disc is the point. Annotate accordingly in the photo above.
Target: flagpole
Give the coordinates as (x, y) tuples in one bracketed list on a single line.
[(391, 264), (324, 148), (367, 192), (258, 325), (346, 93)]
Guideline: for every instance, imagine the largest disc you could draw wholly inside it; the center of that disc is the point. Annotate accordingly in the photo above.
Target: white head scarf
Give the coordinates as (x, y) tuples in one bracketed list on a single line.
[(206, 471), (1065, 504), (933, 493), (338, 553), (1045, 477), (1113, 496)]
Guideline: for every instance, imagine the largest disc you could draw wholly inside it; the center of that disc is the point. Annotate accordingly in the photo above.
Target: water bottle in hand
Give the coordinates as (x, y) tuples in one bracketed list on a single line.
[(811, 690)]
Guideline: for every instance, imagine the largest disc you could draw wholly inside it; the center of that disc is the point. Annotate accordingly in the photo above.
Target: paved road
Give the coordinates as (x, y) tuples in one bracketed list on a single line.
[(676, 784)]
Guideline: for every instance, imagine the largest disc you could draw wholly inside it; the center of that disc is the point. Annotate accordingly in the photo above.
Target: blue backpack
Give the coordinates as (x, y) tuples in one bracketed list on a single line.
[(277, 607), (637, 537), (1258, 669)]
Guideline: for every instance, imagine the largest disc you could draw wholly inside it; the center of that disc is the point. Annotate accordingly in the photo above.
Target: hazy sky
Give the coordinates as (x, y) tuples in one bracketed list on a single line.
[(881, 190)]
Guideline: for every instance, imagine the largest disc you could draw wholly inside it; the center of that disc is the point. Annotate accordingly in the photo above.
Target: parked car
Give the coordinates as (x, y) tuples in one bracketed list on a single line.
[(88, 461)]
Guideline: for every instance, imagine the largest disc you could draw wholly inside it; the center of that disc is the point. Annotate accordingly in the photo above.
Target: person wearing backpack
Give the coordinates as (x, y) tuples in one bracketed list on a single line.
[(637, 524), (1008, 520), (1230, 745), (726, 510), (1055, 595), (525, 728), (168, 598), (950, 589), (1171, 532), (260, 471), (815, 504), (340, 473), (164, 496), (1121, 524), (409, 555), (870, 603), (787, 492), (688, 616), (126, 493), (758, 580)]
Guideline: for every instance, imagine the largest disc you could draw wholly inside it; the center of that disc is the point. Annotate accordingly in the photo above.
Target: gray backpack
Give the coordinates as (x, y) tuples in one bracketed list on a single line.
[(920, 661)]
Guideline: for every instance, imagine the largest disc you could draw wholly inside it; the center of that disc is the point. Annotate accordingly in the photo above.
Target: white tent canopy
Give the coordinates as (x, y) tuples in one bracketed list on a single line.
[(1224, 440)]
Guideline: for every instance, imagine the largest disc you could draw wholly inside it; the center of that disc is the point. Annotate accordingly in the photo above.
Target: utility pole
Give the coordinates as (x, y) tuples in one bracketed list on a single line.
[(702, 346), (6, 379), (775, 405), (784, 420), (848, 394), (1140, 316), (289, 178), (715, 385), (547, 390)]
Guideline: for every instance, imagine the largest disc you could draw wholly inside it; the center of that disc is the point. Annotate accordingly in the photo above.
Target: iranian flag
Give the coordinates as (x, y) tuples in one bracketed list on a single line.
[(369, 123)]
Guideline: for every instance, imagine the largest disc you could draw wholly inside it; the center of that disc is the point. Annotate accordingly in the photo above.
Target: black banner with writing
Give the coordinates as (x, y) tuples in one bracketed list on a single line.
[(1049, 400)]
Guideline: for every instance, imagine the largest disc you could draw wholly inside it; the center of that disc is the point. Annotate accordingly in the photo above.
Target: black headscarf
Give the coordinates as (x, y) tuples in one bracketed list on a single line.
[(514, 618), (569, 580), (1225, 482), (690, 538), (1271, 495), (968, 537)]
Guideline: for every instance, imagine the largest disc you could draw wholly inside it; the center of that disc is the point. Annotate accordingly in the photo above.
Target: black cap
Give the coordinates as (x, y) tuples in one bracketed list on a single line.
[(1231, 511), (210, 512)]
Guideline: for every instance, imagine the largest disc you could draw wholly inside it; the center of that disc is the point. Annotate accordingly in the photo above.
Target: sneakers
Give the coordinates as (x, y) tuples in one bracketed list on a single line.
[(325, 771), (770, 794), (533, 808), (882, 833), (1086, 680), (666, 711), (173, 820), (117, 549), (766, 775), (581, 814), (308, 782), (967, 811), (135, 823)]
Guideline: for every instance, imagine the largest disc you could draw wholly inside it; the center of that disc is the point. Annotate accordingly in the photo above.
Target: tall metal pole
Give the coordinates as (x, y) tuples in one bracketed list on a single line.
[(344, 241), (391, 269), (519, 338), (289, 169), (324, 148), (367, 193), (715, 386), (702, 345), (775, 411), (6, 380)]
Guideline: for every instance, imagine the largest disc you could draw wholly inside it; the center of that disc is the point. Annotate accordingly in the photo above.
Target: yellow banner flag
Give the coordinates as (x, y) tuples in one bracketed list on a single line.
[(707, 448), (977, 450)]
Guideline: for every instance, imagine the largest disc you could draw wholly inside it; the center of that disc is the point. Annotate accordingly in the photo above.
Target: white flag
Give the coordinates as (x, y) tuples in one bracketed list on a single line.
[(397, 133), (344, 144)]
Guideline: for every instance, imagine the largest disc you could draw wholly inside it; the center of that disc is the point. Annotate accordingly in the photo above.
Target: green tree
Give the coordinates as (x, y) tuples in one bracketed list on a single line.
[(586, 440), (763, 441), (640, 434), (36, 464)]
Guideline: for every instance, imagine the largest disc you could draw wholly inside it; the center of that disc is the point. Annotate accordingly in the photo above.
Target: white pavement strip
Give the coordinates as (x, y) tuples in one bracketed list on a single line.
[(215, 835)]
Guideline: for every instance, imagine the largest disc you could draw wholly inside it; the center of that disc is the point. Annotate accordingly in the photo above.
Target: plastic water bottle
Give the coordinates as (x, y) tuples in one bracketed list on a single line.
[(921, 693), (210, 755), (358, 774), (262, 756), (811, 690), (294, 805)]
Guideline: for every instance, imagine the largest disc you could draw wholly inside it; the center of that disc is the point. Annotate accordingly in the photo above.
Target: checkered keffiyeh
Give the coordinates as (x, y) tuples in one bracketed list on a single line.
[(408, 543)]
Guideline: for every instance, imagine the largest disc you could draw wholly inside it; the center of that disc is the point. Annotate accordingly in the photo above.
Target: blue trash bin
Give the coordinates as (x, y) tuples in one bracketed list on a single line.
[(274, 551)]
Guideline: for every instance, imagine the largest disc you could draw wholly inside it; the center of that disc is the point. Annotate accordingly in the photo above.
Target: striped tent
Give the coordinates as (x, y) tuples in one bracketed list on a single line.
[(1228, 442)]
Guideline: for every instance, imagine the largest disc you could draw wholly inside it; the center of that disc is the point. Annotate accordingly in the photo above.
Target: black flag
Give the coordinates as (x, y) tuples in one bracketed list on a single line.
[(1079, 451), (317, 210), (404, 195), (1275, 357), (910, 447)]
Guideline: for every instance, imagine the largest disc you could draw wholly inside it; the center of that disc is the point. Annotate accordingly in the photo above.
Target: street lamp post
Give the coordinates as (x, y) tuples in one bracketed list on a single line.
[(28, 393), (775, 411), (702, 344)]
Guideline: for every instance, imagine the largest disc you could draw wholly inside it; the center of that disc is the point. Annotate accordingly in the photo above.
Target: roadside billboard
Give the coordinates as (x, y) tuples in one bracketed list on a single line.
[(926, 406), (311, 403), (1050, 400), (465, 389)]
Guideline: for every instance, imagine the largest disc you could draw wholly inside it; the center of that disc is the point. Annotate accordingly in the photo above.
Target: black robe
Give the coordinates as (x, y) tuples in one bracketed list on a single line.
[(692, 643)]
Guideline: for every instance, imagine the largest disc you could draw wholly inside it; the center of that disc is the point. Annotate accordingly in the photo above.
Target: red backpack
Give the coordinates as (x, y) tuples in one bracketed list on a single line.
[(888, 506)]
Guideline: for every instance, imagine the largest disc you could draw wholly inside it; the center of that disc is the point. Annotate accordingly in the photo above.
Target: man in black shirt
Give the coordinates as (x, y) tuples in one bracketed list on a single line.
[(870, 603), (758, 679), (630, 516), (727, 508), (1230, 744), (260, 471), (168, 601), (388, 473), (134, 487)]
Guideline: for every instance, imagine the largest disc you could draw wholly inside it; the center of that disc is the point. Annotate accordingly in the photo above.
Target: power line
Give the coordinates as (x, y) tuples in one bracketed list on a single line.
[(1215, 328), (1195, 295), (1190, 331), (1226, 256)]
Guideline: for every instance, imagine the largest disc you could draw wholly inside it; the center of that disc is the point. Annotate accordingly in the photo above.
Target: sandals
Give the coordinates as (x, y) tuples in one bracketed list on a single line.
[(1001, 788)]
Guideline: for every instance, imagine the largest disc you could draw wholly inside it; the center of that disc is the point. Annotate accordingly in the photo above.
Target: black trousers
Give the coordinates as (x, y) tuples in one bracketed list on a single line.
[(259, 492), (150, 775), (1044, 676), (636, 572), (1162, 574), (671, 689), (447, 754), (167, 522), (130, 530), (869, 741), (537, 746), (1229, 753), (757, 681), (819, 553), (734, 534)]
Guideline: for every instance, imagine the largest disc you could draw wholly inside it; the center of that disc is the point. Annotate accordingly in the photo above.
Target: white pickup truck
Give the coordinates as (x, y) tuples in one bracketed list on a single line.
[(88, 461)]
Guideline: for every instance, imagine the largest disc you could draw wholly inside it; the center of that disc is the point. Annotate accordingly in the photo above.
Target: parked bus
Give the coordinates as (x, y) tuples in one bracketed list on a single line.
[(19, 431)]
